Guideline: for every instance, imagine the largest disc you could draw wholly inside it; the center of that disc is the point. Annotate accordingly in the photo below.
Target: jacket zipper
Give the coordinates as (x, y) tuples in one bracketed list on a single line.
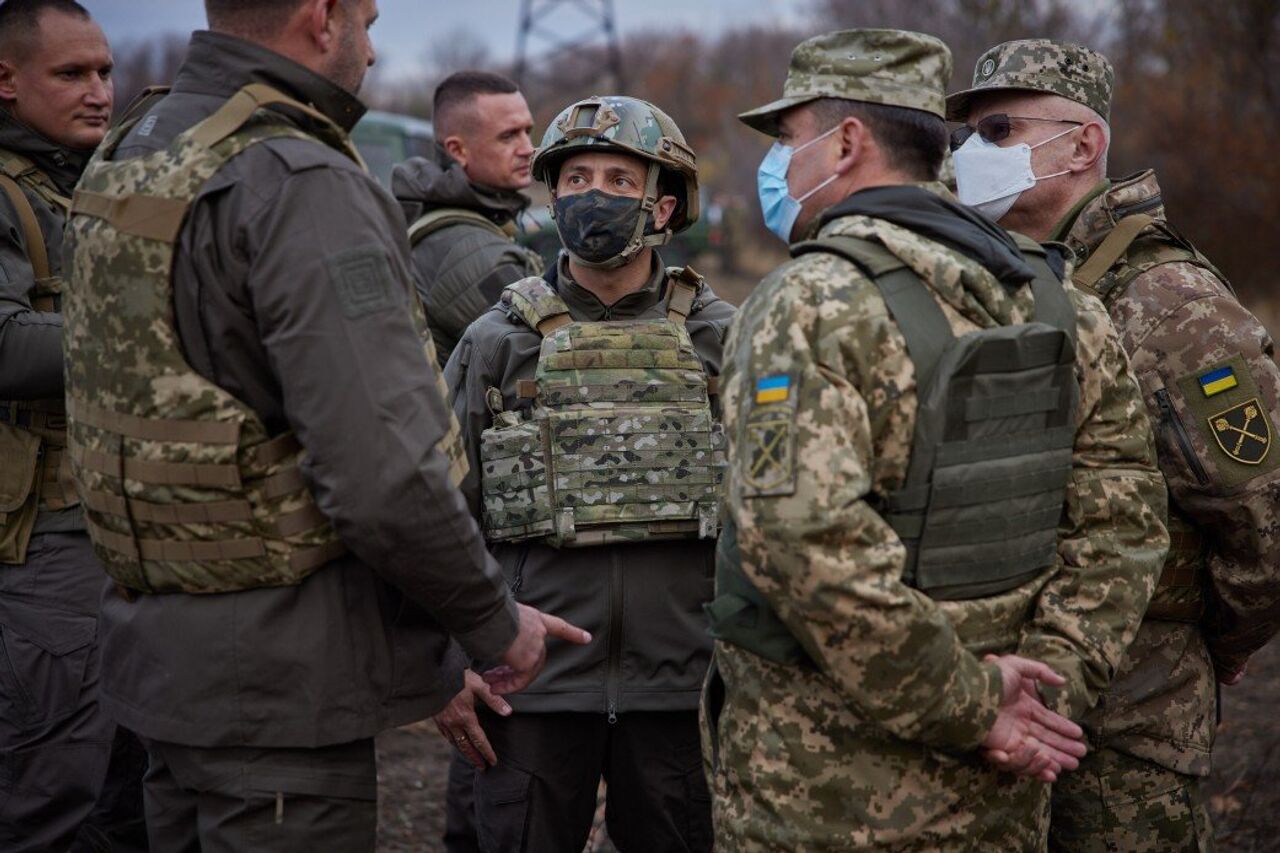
[(613, 671), (1170, 417)]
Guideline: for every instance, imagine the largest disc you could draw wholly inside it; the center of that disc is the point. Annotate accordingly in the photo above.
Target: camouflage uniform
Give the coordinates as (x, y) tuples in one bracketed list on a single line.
[(1217, 599), (874, 748)]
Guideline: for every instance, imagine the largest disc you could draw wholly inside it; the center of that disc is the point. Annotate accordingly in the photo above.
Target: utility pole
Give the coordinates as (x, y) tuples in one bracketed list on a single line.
[(537, 41)]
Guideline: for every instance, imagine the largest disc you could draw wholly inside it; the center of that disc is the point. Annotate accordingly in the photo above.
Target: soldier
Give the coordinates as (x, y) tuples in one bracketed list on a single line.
[(587, 400), (937, 457), (1208, 376), (463, 205), (259, 433), (59, 752)]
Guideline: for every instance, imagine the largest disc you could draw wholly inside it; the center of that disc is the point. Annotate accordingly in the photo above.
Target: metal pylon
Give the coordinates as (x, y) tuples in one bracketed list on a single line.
[(537, 43)]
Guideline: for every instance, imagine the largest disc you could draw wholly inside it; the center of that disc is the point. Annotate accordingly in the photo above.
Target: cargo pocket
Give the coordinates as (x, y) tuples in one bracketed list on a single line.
[(514, 482), (42, 676), (502, 809), (19, 458)]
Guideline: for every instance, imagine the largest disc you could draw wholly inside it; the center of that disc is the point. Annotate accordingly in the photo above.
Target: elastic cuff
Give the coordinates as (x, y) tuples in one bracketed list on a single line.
[(492, 637)]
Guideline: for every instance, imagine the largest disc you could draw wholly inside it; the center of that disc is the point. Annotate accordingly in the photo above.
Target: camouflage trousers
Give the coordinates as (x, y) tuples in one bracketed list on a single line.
[(1116, 802), (791, 774)]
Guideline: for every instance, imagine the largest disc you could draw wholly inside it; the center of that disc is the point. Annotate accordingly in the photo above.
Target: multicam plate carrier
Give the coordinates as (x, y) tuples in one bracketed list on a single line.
[(621, 445)]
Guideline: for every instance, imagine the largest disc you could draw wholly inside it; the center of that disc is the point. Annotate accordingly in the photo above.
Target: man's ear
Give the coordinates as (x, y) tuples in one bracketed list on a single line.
[(8, 81), (1091, 145), (455, 148), (663, 209), (320, 18), (853, 138)]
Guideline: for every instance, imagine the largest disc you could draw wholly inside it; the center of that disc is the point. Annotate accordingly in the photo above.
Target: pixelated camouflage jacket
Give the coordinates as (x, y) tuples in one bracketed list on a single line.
[(641, 601), (873, 750), (1178, 322)]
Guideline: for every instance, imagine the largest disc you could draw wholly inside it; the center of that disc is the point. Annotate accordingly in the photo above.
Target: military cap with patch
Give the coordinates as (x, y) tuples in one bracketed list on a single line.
[(892, 67), (1039, 65)]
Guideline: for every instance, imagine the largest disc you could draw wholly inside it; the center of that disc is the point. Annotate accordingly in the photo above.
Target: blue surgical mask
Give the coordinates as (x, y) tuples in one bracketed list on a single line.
[(779, 207)]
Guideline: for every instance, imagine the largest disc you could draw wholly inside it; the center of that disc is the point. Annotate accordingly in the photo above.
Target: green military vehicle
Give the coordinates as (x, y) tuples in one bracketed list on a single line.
[(385, 139)]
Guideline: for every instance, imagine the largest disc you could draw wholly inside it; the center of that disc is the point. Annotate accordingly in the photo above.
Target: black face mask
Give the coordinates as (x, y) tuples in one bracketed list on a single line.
[(596, 226)]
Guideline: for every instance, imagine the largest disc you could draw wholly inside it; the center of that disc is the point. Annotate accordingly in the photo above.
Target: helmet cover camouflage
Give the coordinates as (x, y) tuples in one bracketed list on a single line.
[(1039, 65), (628, 126), (892, 67)]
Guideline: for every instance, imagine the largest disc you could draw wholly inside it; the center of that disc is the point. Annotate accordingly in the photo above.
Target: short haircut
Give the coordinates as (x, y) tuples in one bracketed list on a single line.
[(20, 22), (249, 16), (913, 141), (457, 91)]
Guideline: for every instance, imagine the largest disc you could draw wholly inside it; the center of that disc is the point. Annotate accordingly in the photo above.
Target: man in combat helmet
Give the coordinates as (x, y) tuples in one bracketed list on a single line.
[(587, 400), (1032, 152)]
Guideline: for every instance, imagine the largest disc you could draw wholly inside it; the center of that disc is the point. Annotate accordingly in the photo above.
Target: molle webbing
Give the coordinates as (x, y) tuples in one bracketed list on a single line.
[(185, 489), (622, 445), (995, 427)]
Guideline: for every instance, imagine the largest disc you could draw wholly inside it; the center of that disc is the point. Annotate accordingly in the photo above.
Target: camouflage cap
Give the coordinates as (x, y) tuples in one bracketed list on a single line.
[(1039, 65), (892, 67)]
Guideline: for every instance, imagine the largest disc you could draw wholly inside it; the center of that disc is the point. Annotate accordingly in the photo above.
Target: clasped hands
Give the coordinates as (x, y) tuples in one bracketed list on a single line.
[(1028, 738)]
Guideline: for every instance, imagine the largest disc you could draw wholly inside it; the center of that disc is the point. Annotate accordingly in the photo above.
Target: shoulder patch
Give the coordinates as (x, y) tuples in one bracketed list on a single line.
[(1233, 418), (767, 457), (362, 278)]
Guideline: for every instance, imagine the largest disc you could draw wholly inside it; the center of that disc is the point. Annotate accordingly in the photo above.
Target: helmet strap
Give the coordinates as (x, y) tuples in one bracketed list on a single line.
[(639, 240)]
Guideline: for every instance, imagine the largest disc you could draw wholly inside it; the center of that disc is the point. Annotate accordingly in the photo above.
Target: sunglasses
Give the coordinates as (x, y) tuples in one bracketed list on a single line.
[(996, 128)]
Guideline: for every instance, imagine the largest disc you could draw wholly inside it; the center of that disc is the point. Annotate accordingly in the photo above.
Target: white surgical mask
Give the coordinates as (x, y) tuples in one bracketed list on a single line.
[(990, 178)]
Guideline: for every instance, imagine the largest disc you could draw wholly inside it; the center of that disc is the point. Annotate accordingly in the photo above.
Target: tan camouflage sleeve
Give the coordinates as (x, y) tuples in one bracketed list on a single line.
[(801, 441), (1208, 368), (1112, 539)]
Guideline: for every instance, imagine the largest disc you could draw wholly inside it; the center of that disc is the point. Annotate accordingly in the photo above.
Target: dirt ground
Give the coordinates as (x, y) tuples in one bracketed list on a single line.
[(1244, 788)]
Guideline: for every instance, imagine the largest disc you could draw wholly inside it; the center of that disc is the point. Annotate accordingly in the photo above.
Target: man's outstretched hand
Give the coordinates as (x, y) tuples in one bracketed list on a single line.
[(1028, 738), (527, 653)]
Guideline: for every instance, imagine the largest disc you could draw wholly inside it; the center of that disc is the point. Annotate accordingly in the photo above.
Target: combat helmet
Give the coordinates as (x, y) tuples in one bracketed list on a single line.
[(628, 126)]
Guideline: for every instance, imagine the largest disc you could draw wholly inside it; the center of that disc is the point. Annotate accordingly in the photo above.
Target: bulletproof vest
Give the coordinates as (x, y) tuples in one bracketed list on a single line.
[(1138, 244), (991, 454), (35, 475), (620, 444), (184, 489)]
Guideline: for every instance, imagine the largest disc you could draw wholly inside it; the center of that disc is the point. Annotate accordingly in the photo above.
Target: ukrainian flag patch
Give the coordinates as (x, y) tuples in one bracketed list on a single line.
[(1217, 381), (773, 389)]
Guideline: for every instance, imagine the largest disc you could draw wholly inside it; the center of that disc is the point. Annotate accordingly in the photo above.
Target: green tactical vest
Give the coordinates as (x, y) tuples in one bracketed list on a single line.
[(443, 217), (1138, 244), (184, 488), (621, 445), (990, 457), (35, 472)]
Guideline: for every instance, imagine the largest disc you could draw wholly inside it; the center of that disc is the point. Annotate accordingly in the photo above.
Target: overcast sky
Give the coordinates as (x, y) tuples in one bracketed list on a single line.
[(407, 29)]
